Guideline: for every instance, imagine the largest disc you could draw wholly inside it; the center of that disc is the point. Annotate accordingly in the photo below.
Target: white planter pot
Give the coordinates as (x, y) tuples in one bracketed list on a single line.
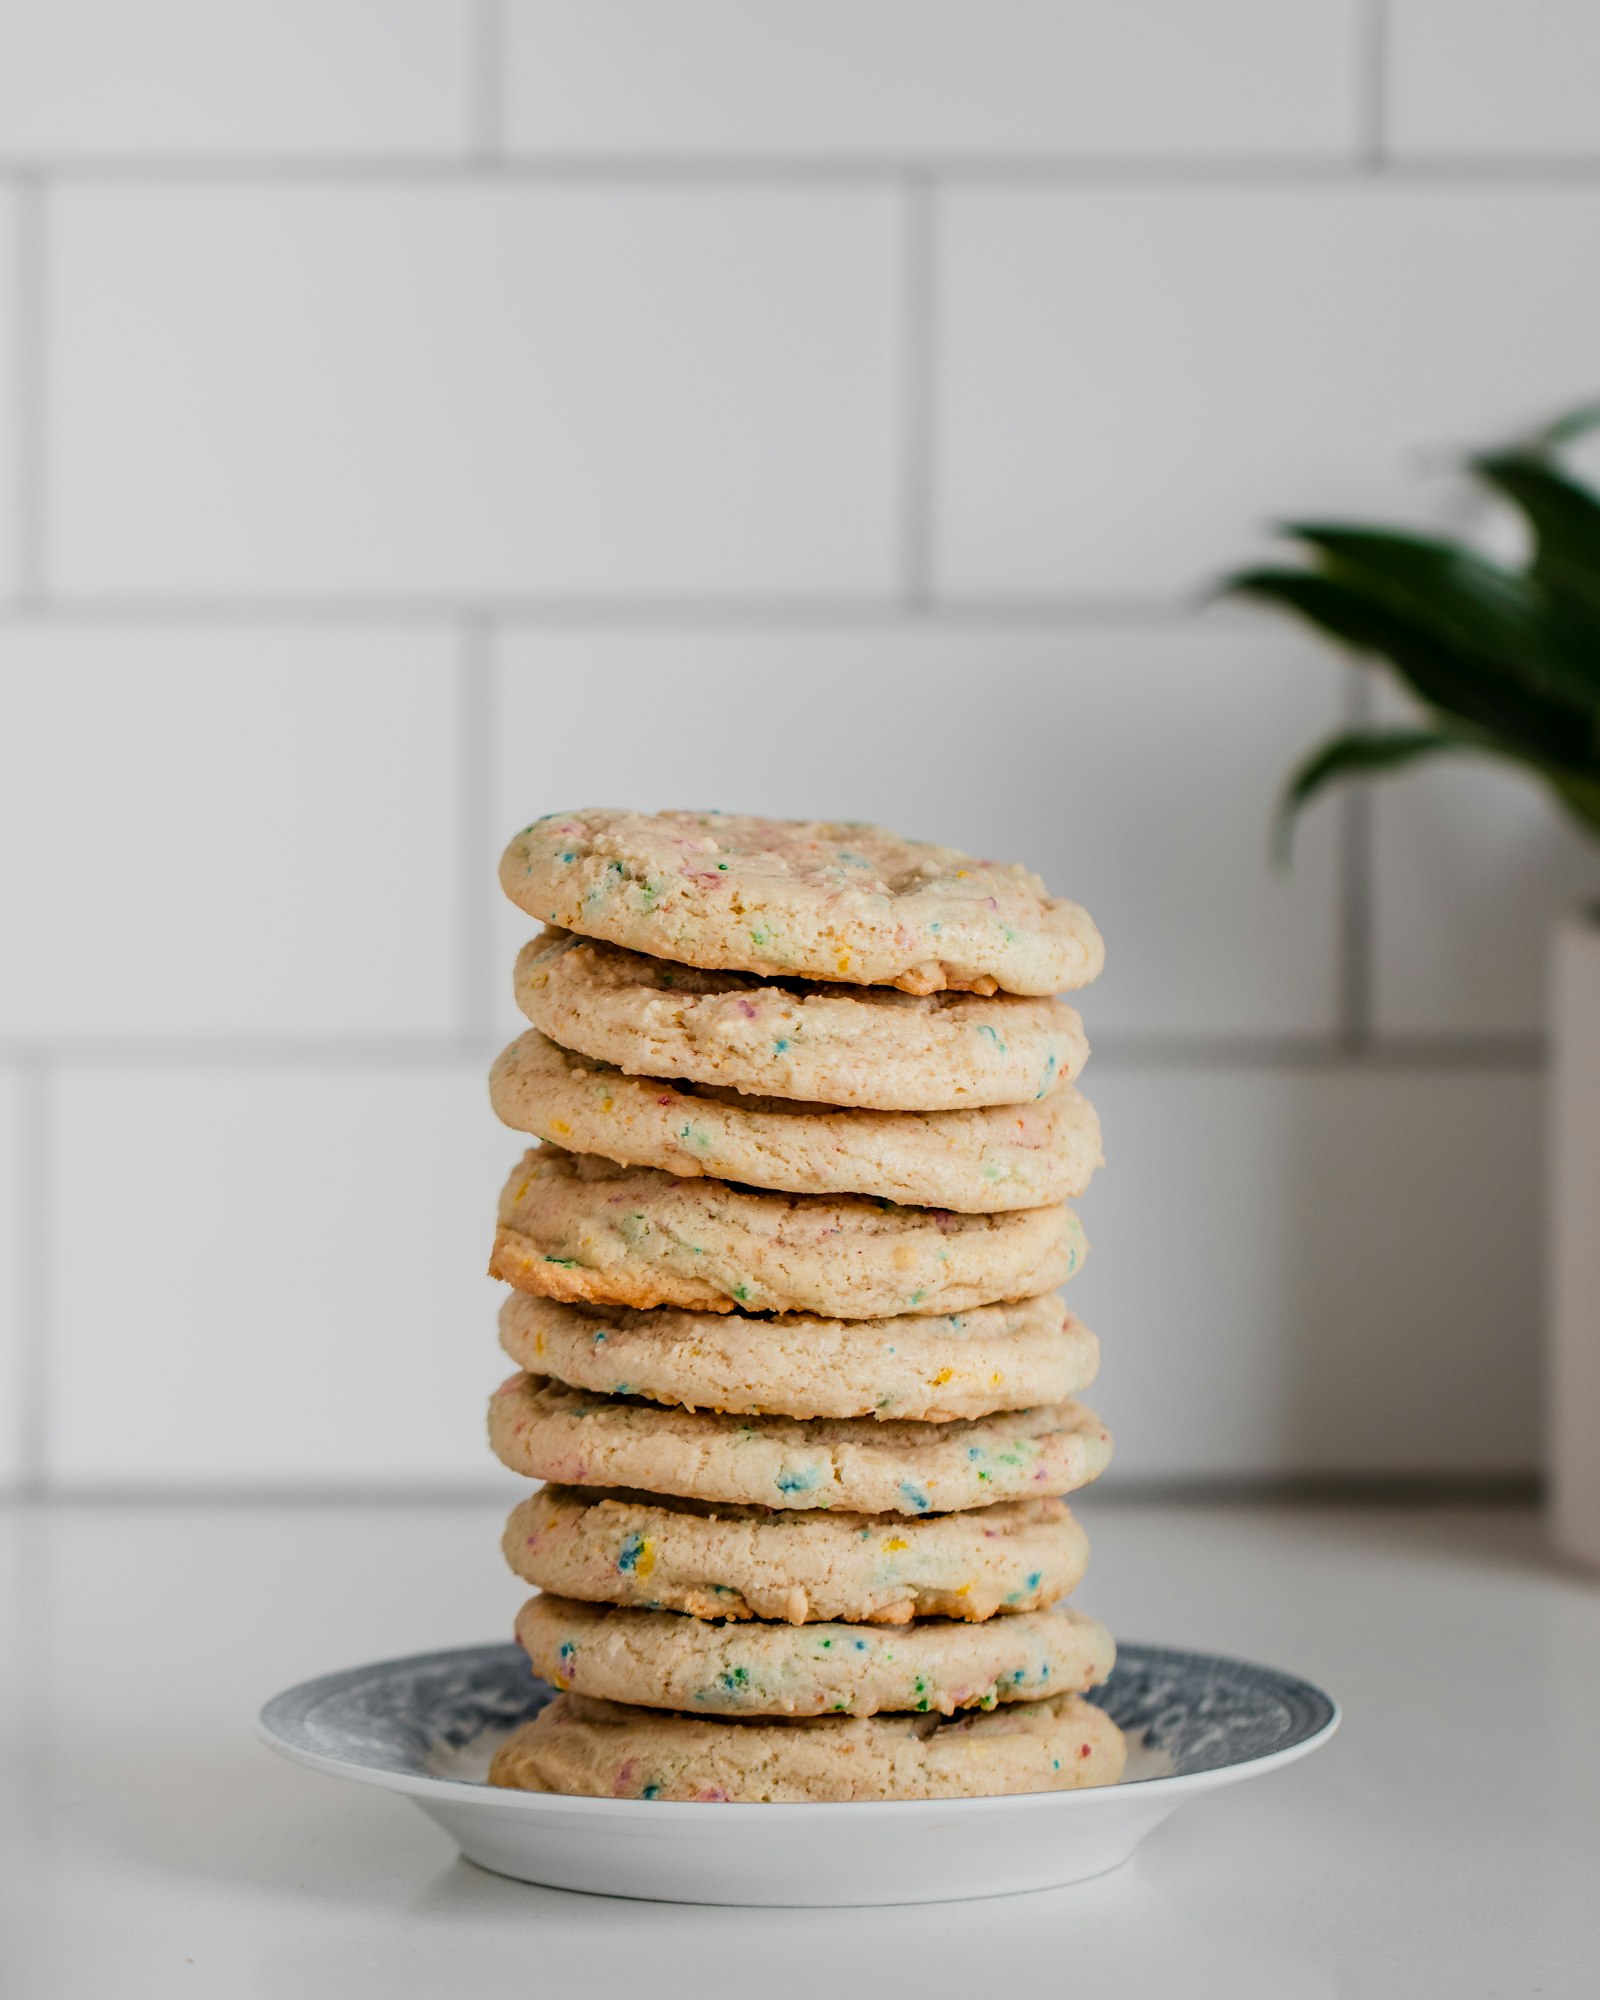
[(1574, 1208)]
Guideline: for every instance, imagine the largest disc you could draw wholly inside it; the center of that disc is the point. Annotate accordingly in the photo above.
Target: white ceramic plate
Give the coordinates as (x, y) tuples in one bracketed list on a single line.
[(427, 1726)]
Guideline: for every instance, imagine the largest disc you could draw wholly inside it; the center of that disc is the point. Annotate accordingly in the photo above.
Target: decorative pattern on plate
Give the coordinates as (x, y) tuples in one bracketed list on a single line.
[(1206, 1712), (440, 1714)]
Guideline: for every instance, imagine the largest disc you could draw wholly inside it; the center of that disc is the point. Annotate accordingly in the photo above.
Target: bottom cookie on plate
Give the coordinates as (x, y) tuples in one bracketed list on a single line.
[(603, 1749)]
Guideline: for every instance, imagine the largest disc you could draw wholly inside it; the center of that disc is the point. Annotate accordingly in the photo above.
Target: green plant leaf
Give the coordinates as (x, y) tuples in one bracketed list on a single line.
[(1373, 753), (1564, 517), (1563, 430), (1503, 618), (1358, 753), (1579, 792), (1453, 683), (1505, 659)]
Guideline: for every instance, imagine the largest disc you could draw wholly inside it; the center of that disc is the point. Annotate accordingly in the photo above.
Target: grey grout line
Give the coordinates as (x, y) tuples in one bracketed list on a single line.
[(486, 113), (954, 609), (34, 1163), (1314, 1489), (475, 994), (1374, 84), (29, 384), (1468, 1053), (312, 1493), (838, 170), (918, 361), (751, 613), (378, 614), (264, 1052), (1357, 885), (1474, 1053)]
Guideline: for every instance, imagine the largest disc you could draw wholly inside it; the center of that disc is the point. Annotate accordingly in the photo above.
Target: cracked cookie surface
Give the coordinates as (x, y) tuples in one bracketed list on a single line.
[(702, 1666), (800, 1567), (601, 1749), (577, 1227), (816, 899), (935, 1367), (545, 1430), (994, 1158), (869, 1047)]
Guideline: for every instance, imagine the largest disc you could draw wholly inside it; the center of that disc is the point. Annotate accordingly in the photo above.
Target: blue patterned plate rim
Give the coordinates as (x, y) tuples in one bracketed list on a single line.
[(1212, 1718)]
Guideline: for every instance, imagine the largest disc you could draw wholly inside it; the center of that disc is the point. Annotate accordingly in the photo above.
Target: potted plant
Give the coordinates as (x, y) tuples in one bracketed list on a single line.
[(1502, 661)]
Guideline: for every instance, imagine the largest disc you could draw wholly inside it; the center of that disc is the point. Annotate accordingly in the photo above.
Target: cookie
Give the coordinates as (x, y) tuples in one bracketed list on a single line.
[(601, 1749), (660, 1659), (814, 899), (577, 1227), (934, 1368), (851, 1464), (709, 1561), (870, 1047), (982, 1161)]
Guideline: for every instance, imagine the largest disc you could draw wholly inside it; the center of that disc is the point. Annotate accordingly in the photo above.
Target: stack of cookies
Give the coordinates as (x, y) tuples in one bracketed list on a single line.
[(792, 1361)]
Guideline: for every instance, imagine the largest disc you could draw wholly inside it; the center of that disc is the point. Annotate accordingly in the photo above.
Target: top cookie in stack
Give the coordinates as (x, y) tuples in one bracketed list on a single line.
[(801, 899), (782, 1270)]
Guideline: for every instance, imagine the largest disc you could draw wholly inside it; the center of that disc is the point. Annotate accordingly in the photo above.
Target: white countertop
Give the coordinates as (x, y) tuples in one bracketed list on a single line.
[(1447, 1842)]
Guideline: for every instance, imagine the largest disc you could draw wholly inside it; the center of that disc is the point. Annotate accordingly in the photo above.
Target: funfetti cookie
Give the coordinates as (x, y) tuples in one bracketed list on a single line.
[(934, 1368), (981, 1161), (660, 1659), (601, 1749), (869, 1047), (576, 1227), (796, 1565), (545, 1430), (812, 899)]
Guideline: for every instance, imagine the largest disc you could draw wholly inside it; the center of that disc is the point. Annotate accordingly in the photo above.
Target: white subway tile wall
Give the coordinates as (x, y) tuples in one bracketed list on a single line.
[(415, 418), (956, 80), (1494, 79), (229, 831), (267, 79), (1133, 381), (1317, 1270), (17, 247), (14, 1442), (274, 1276), (457, 389)]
